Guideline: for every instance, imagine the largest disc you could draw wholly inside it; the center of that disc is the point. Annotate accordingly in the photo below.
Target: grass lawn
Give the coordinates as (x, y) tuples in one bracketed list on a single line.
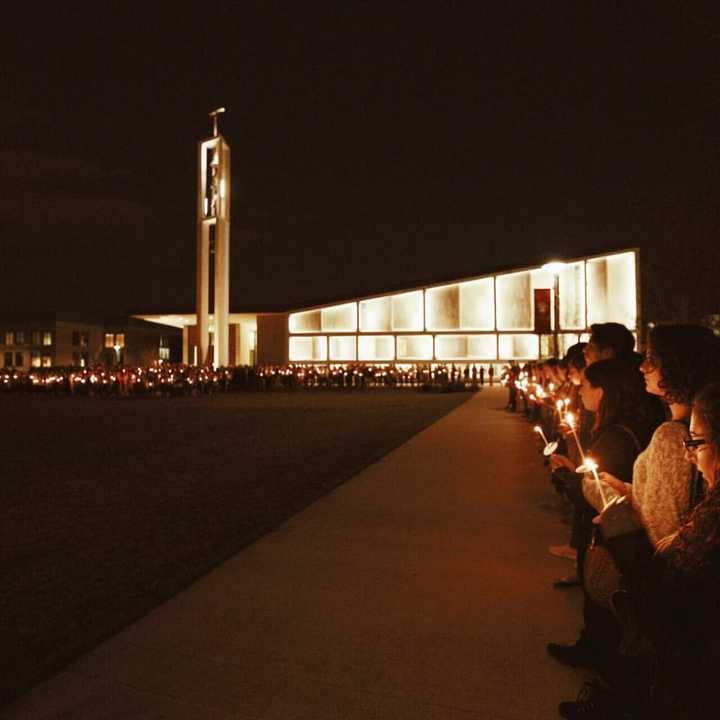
[(110, 506)]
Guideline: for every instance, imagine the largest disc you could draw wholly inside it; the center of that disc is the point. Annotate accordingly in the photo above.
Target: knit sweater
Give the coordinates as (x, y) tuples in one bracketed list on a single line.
[(661, 481)]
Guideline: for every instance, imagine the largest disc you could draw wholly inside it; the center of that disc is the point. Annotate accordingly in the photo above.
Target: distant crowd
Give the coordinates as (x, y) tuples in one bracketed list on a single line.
[(172, 380), (631, 443)]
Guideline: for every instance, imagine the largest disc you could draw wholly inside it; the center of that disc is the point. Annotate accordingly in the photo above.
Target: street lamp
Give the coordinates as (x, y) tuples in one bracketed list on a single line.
[(555, 267)]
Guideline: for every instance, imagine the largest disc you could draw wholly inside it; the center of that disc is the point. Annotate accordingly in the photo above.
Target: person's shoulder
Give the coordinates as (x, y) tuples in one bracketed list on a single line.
[(671, 429)]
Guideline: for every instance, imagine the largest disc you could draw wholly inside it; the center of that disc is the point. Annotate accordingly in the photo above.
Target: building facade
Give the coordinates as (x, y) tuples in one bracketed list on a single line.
[(33, 340), (524, 314)]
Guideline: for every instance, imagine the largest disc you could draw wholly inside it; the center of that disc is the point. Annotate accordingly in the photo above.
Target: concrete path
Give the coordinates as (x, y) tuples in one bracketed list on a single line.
[(419, 589)]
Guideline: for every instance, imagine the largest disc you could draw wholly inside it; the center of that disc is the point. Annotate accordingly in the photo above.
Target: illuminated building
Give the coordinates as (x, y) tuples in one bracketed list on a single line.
[(514, 315), (494, 318)]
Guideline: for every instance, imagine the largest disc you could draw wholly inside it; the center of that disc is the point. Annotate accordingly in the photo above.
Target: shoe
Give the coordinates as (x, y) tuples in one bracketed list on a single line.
[(567, 581), (563, 551), (595, 701), (577, 655)]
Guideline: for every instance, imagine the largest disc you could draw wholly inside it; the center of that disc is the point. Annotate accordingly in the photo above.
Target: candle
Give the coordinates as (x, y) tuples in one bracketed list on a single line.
[(538, 429), (570, 420), (593, 468)]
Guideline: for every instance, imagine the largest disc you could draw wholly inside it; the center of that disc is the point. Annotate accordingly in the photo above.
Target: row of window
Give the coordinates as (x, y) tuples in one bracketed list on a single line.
[(115, 340), (36, 359), (37, 337)]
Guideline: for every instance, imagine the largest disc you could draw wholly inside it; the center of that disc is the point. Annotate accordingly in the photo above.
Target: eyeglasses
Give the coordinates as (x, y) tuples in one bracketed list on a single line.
[(692, 444)]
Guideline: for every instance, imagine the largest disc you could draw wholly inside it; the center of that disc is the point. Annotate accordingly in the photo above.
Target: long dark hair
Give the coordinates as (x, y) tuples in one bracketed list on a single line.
[(623, 392), (689, 357)]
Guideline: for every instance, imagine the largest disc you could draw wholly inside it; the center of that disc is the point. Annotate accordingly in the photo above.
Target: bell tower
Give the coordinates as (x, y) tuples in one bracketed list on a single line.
[(213, 248)]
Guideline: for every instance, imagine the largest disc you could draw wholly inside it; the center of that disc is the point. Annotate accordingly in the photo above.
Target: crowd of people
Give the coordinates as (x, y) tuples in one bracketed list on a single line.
[(170, 380), (632, 446)]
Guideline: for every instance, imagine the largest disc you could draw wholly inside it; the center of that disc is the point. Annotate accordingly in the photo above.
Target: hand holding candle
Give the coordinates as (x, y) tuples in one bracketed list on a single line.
[(590, 465)]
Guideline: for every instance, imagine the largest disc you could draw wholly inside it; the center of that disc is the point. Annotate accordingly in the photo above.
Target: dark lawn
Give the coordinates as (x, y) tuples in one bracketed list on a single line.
[(111, 506)]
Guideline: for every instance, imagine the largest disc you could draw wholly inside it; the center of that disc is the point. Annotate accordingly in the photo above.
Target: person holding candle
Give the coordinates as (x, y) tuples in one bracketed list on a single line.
[(675, 592), (614, 392), (679, 361)]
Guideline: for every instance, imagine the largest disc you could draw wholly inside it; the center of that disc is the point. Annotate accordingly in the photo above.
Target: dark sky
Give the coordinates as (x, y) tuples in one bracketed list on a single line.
[(374, 145)]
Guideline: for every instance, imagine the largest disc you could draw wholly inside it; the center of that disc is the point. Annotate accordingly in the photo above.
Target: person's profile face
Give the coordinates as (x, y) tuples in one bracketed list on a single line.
[(704, 455)]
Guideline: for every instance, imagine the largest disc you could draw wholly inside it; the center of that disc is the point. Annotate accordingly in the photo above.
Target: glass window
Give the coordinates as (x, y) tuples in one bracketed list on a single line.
[(8, 359), (34, 359), (46, 360), (9, 338), (120, 339), (342, 348), (308, 348), (109, 340), (304, 322), (19, 337), (84, 339), (36, 337), (164, 341), (164, 353), (19, 360), (84, 359), (47, 338)]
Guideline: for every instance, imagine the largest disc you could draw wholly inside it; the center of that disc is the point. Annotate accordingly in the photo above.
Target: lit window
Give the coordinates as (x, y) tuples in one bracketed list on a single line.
[(164, 353), (9, 339), (46, 360), (36, 337), (84, 339), (34, 359), (47, 338), (84, 359), (109, 340), (120, 339), (19, 337)]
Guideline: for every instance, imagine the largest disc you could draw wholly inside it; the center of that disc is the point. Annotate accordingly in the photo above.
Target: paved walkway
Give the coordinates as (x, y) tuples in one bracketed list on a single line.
[(419, 589)]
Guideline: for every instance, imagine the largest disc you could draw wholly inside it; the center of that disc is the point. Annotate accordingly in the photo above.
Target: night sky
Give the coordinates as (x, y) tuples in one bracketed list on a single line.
[(375, 146)]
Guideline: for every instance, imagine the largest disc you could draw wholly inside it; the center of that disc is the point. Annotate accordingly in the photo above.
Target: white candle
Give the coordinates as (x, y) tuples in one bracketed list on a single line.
[(593, 468), (538, 429), (570, 420)]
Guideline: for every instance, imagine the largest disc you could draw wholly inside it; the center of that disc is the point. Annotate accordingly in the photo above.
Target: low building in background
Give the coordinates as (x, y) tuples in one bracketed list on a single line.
[(518, 314), (29, 340)]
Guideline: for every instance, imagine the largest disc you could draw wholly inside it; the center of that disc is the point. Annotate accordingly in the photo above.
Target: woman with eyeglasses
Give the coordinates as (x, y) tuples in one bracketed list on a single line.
[(676, 588), (678, 362)]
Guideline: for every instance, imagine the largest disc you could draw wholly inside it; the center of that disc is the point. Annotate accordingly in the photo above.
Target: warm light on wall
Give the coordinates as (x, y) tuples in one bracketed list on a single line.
[(407, 311), (414, 347), (611, 289), (375, 315), (514, 301), (304, 322), (466, 347), (376, 347), (308, 349), (339, 318), (343, 348), (519, 347), (477, 304), (442, 308)]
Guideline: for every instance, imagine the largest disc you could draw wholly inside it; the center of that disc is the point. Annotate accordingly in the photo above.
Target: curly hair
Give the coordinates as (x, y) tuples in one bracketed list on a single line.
[(689, 357), (698, 541), (623, 391)]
